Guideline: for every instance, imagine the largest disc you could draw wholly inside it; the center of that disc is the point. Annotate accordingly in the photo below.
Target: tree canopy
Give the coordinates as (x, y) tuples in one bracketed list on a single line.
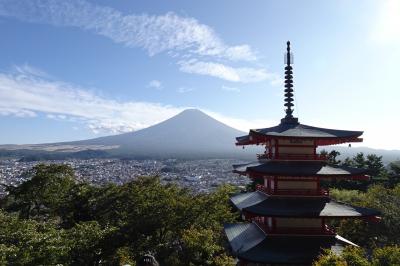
[(52, 219), (352, 256)]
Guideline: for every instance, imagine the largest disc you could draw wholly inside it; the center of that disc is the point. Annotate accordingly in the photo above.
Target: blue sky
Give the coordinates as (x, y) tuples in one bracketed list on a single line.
[(78, 69)]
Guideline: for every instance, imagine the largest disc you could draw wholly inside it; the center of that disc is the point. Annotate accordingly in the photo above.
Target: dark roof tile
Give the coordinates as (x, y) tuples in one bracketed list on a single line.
[(300, 130), (298, 168), (260, 204), (279, 249)]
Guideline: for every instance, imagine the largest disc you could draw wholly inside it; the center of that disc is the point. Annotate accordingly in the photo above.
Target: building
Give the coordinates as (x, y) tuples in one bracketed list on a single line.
[(287, 216)]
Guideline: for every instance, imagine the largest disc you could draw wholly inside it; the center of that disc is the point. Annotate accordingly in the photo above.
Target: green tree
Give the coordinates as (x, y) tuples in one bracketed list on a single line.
[(395, 167), (372, 234), (44, 195), (375, 168), (7, 253), (394, 174), (224, 260), (375, 165), (386, 256), (200, 246), (152, 217), (355, 256), (360, 232), (331, 156), (28, 242), (348, 162), (359, 160), (122, 256), (88, 243), (354, 197), (387, 201), (328, 258), (60, 221)]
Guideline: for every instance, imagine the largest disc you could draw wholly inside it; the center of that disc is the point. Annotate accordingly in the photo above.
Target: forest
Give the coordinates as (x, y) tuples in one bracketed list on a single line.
[(53, 220), (379, 241)]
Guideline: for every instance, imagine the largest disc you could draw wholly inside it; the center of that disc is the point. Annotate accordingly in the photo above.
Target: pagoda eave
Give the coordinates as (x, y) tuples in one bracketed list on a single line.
[(259, 139), (253, 174), (370, 217), (336, 141), (302, 169), (250, 244), (255, 204)]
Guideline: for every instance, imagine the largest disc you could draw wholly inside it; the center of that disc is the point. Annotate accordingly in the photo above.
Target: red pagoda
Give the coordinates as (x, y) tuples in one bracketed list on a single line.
[(287, 215)]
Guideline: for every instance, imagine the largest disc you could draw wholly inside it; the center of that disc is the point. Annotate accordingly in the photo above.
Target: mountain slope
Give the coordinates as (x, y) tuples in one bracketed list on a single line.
[(190, 134)]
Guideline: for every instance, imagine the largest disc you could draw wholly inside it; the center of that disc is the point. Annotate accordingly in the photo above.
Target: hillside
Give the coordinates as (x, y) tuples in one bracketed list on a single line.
[(191, 134)]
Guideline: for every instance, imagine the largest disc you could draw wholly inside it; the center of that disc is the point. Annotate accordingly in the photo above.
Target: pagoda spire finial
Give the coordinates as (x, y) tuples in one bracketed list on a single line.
[(289, 86)]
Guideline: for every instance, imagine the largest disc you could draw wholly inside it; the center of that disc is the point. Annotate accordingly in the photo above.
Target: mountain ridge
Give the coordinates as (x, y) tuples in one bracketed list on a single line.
[(190, 134)]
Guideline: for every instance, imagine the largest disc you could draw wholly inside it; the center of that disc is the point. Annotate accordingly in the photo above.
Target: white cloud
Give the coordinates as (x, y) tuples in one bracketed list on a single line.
[(227, 88), (181, 37), (275, 79), (184, 89), (156, 84), (156, 34), (228, 73), (26, 69), (24, 94), (59, 117), (18, 112), (386, 27), (241, 52), (240, 123)]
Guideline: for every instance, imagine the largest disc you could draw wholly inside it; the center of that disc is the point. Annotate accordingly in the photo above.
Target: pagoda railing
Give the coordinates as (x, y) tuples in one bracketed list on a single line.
[(293, 192), (290, 156), (323, 230)]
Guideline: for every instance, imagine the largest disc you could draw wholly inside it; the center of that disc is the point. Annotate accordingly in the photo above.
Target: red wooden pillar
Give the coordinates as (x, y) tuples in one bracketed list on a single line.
[(269, 149), (315, 150)]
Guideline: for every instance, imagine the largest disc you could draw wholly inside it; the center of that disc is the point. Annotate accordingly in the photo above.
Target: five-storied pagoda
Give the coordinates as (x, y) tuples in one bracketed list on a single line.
[(288, 214)]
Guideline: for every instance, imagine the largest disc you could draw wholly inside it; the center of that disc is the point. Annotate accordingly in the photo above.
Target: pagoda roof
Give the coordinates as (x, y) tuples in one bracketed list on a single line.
[(248, 242), (261, 204), (297, 130), (298, 168), (290, 126)]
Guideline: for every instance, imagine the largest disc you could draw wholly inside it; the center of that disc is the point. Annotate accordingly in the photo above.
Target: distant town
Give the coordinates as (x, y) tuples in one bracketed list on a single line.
[(202, 176)]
